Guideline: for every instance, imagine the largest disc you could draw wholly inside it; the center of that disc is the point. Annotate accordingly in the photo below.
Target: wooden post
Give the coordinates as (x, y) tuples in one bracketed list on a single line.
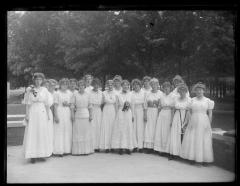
[(8, 90)]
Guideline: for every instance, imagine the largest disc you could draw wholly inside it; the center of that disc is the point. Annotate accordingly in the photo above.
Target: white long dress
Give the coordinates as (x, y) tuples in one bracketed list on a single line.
[(197, 140), (36, 137), (174, 140), (108, 118), (163, 123), (152, 115), (96, 101), (122, 136), (138, 99), (82, 129), (63, 129)]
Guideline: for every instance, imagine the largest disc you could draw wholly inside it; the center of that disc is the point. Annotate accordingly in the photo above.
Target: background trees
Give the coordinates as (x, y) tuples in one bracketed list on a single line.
[(195, 44)]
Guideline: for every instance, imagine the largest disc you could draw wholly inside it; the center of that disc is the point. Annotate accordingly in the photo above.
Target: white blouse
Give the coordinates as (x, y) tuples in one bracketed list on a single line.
[(109, 97), (81, 103), (138, 97), (96, 98)]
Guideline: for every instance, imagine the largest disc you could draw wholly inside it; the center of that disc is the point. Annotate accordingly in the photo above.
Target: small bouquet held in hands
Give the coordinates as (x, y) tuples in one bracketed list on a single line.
[(65, 104), (126, 106), (33, 91)]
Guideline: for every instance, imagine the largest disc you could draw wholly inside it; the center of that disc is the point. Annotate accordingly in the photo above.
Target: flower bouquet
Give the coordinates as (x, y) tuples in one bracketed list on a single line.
[(33, 91), (126, 106)]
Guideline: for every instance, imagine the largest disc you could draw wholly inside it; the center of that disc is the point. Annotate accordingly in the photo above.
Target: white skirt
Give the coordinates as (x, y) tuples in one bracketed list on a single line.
[(108, 119), (36, 137), (162, 130), (122, 136), (174, 141), (82, 139), (138, 126), (96, 124), (152, 114), (50, 126), (63, 132), (197, 140)]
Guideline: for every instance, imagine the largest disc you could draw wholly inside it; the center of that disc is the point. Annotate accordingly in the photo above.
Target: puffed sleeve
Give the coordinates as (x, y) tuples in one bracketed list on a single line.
[(210, 104), (56, 98)]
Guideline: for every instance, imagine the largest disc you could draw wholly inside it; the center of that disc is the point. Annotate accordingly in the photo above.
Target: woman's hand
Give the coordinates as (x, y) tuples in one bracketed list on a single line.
[(27, 118), (56, 119), (90, 118), (145, 117), (72, 118)]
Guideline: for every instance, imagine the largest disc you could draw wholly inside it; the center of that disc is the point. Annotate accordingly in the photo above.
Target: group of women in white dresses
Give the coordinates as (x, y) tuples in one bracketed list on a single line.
[(79, 118)]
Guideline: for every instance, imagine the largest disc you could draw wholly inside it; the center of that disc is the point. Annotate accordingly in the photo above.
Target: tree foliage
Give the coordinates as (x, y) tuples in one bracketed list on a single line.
[(194, 44)]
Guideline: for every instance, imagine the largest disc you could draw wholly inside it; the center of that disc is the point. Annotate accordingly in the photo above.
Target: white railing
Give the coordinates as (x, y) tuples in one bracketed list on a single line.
[(18, 123)]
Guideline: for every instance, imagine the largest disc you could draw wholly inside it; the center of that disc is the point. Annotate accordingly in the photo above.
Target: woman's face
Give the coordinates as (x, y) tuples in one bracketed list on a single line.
[(47, 85), (199, 92), (52, 87), (81, 86), (64, 86), (95, 86), (167, 90), (73, 85), (154, 86), (88, 80), (183, 93), (146, 83), (117, 84), (176, 82), (136, 87), (110, 86), (38, 81), (125, 86)]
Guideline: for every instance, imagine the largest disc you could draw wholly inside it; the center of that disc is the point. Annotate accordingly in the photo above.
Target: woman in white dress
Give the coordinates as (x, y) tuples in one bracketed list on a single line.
[(180, 120), (62, 120), (197, 140), (81, 114), (108, 116), (36, 137), (122, 137), (138, 98), (146, 84), (117, 80), (50, 89), (96, 100), (164, 120), (150, 115)]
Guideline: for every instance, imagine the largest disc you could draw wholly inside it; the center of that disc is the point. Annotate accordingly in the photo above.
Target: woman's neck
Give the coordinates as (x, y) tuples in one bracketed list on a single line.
[(81, 91), (167, 93), (200, 97), (154, 90), (63, 90)]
